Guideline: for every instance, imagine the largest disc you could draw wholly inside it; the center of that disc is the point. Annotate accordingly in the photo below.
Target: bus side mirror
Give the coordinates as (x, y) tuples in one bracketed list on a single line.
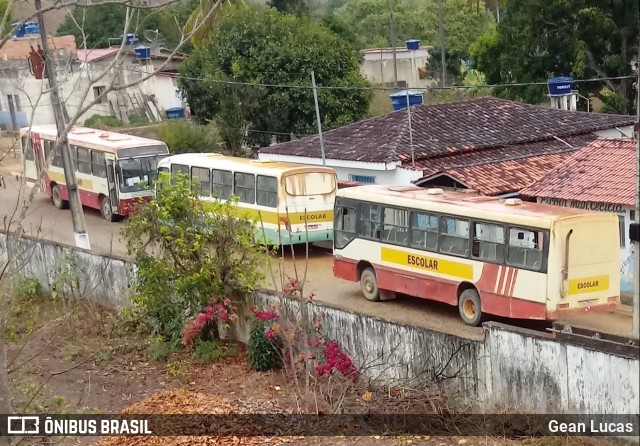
[(634, 232)]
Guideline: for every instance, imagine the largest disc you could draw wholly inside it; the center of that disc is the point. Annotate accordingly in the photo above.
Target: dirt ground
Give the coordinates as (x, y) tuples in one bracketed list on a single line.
[(82, 358)]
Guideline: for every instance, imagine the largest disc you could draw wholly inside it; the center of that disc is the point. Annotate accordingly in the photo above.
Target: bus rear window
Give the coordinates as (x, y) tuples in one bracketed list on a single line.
[(311, 183)]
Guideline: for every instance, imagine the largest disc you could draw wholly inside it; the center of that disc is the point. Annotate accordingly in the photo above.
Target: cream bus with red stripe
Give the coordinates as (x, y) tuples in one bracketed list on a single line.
[(487, 256), (113, 170)]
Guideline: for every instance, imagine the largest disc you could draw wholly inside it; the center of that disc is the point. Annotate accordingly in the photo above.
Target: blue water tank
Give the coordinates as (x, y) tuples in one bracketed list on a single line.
[(560, 85), (413, 44), (399, 99), (175, 113), (143, 52), (131, 38), (18, 29), (31, 28)]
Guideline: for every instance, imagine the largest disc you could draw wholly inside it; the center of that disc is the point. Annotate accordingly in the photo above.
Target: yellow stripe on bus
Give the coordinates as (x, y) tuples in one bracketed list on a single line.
[(588, 284), (59, 178), (426, 263), (273, 217)]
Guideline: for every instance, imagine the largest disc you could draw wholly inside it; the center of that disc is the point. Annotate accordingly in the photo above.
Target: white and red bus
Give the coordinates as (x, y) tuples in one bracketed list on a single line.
[(487, 256), (113, 170)]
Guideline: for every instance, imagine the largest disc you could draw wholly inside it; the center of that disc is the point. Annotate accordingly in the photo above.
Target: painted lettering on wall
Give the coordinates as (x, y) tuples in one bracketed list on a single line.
[(586, 205)]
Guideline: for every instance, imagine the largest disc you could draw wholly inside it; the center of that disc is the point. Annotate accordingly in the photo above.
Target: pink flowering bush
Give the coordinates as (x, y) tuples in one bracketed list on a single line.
[(272, 338), (216, 311)]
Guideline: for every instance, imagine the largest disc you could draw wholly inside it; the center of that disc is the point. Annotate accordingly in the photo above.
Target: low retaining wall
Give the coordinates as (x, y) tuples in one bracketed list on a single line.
[(527, 371)]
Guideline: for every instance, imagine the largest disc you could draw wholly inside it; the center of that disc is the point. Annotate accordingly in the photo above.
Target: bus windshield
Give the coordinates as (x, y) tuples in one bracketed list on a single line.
[(310, 183), (138, 174)]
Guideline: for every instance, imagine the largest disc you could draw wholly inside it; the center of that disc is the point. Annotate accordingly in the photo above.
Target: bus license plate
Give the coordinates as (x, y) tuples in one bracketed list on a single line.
[(312, 226), (587, 303)]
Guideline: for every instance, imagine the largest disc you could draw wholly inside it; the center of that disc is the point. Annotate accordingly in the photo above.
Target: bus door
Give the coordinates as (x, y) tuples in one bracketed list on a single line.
[(35, 142), (111, 182)]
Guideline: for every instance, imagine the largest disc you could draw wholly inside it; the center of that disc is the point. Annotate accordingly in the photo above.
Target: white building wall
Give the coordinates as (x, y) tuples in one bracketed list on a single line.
[(620, 132), (626, 248), (378, 67), (379, 173)]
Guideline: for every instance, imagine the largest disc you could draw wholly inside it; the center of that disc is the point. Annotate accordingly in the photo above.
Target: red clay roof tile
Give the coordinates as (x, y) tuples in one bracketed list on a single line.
[(604, 172)]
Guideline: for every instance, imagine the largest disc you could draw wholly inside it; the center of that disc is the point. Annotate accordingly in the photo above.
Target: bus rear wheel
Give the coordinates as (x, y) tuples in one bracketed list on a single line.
[(105, 209), (470, 307), (56, 197), (369, 285)]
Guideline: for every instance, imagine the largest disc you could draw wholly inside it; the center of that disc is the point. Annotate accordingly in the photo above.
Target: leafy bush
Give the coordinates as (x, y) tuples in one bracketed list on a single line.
[(209, 351), (159, 349), (187, 137), (28, 288), (264, 351), (180, 265), (102, 121)]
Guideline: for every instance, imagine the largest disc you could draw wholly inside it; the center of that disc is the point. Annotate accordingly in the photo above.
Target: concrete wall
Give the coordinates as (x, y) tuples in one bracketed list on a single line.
[(526, 371)]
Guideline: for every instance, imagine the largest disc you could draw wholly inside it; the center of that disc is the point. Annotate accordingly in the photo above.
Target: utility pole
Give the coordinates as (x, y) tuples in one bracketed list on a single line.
[(442, 48), (636, 243), (315, 98), (77, 215), (392, 30), (413, 155)]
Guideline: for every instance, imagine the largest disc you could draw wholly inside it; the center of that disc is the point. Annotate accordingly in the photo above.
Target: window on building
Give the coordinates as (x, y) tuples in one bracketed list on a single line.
[(345, 226), (244, 187), (362, 179), (396, 226), (222, 182), (97, 91), (98, 164), (623, 235), (488, 242), (84, 160), (424, 231), (370, 221), (525, 248), (267, 191), (454, 236), (201, 181)]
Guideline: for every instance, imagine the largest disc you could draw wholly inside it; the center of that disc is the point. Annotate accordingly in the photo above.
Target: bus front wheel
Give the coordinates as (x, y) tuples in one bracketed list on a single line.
[(56, 197), (470, 307), (105, 209), (369, 285)]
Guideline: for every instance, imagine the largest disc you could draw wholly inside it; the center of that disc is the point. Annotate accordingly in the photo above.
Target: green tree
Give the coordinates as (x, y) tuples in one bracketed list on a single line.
[(103, 22), (187, 137), (463, 21), (186, 251), (5, 18), (537, 39), (257, 45), (289, 6)]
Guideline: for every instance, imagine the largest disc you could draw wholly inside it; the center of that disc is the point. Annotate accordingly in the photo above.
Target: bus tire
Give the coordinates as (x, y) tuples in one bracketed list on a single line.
[(56, 198), (470, 307), (369, 285), (105, 209)]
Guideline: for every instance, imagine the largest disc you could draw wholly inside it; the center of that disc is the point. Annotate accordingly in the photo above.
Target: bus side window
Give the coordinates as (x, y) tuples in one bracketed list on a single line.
[(396, 226), (370, 221), (525, 248), (179, 168), (454, 236), (488, 242), (424, 231), (244, 187), (201, 181), (222, 182), (267, 191), (98, 164), (57, 155), (84, 160), (47, 145), (162, 171), (27, 148), (345, 226)]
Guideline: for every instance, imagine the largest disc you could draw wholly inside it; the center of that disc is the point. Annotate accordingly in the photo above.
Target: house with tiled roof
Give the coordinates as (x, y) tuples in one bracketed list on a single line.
[(600, 177), (491, 145)]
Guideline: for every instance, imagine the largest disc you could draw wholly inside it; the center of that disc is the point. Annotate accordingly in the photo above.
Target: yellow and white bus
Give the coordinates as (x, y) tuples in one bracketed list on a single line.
[(487, 256), (282, 197), (113, 170)]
